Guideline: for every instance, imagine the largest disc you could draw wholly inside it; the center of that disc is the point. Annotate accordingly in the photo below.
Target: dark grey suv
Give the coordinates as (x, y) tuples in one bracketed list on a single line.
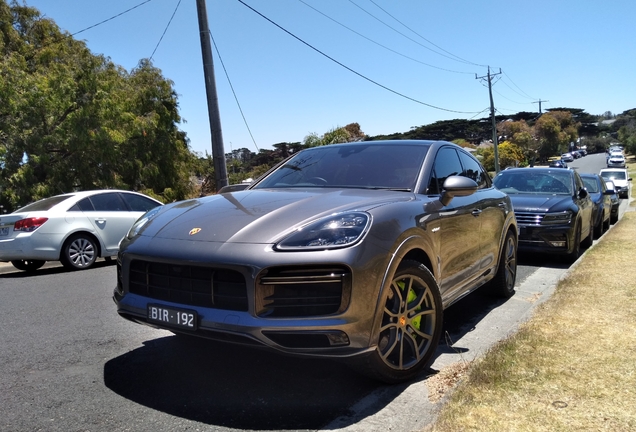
[(553, 209)]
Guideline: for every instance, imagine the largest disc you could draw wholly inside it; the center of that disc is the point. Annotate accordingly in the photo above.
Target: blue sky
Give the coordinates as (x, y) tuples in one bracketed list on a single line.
[(403, 63)]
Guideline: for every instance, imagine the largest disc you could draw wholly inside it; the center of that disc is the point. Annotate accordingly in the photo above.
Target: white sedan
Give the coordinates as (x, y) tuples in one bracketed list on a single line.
[(74, 228)]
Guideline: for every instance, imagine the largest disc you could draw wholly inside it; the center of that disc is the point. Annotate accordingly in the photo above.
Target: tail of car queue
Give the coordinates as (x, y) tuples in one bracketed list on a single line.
[(348, 251)]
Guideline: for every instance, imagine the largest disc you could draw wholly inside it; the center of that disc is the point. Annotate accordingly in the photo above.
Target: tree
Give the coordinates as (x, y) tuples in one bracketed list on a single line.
[(555, 130), (349, 133), (72, 120), (522, 135), (509, 155)]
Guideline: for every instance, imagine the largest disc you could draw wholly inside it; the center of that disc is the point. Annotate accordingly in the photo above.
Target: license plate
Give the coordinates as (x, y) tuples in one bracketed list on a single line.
[(4, 231), (180, 318)]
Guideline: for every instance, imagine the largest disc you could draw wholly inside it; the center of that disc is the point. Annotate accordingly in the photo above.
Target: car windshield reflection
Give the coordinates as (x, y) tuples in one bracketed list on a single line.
[(394, 167), (530, 182)]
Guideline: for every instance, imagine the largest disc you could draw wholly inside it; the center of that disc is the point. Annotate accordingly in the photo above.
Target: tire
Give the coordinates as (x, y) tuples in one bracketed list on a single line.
[(503, 284), (79, 252), (574, 255), (599, 228), (606, 224), (589, 240), (28, 265), (613, 219), (409, 329)]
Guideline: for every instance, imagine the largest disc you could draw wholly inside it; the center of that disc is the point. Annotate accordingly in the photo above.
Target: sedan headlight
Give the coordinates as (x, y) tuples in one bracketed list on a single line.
[(335, 231), (142, 221), (559, 218)]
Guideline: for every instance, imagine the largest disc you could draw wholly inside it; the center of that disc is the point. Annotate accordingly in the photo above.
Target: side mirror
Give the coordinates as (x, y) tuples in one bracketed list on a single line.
[(583, 193), (457, 186)]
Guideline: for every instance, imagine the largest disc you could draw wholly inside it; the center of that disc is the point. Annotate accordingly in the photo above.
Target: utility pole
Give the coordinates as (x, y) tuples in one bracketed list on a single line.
[(218, 151), (539, 102), (492, 115)]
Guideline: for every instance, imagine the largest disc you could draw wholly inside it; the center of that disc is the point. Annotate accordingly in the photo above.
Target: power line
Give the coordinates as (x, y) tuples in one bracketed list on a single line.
[(233, 92), (402, 34), (348, 68), (379, 44), (416, 33), (165, 30), (520, 103), (111, 18), (513, 83)]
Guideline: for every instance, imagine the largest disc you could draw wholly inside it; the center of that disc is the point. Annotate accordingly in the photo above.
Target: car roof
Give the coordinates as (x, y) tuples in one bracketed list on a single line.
[(612, 169), (75, 197), (539, 169)]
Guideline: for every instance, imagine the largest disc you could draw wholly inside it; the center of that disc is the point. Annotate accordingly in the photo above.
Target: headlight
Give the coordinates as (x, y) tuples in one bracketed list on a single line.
[(560, 218), (142, 221), (335, 231)]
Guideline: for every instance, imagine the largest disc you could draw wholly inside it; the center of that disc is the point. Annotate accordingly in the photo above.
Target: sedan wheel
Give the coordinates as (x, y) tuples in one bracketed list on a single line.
[(27, 265), (79, 252), (410, 327)]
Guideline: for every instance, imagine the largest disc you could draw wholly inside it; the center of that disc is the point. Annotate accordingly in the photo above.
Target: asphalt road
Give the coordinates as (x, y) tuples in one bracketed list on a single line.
[(68, 362)]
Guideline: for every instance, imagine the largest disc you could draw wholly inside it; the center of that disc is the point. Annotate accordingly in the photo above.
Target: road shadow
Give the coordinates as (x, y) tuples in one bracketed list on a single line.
[(234, 386), (10, 272), (463, 316), (240, 387)]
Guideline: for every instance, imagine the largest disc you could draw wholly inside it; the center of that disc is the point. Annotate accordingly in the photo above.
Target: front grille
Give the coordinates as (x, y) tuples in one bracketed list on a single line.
[(527, 218), (302, 292), (188, 285)]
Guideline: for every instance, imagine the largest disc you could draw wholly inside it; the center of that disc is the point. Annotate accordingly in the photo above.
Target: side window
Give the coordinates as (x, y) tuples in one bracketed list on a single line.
[(446, 164), (578, 183), (474, 171), (108, 202), (138, 202), (82, 205)]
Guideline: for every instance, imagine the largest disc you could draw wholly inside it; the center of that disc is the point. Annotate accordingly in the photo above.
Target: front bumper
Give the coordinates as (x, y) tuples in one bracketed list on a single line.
[(557, 239), (253, 305)]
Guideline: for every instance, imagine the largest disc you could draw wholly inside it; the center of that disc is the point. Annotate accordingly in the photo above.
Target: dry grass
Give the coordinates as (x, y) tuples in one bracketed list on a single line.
[(572, 367)]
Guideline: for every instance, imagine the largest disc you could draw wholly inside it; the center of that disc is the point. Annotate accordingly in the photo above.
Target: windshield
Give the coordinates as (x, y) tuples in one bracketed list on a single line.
[(530, 181), (356, 165), (611, 175), (43, 204), (591, 185)]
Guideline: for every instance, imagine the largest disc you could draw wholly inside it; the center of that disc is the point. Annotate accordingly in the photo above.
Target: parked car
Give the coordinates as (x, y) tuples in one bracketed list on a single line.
[(616, 202), (74, 228), (621, 179), (348, 251), (595, 185), (616, 160), (558, 164), (552, 207), (567, 157)]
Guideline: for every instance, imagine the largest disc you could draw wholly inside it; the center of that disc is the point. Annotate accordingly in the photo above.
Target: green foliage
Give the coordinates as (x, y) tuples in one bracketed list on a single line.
[(510, 155), (555, 130), (463, 143), (627, 136), (349, 133), (72, 120)]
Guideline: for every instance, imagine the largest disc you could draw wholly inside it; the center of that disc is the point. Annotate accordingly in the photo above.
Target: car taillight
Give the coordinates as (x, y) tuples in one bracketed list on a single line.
[(29, 224)]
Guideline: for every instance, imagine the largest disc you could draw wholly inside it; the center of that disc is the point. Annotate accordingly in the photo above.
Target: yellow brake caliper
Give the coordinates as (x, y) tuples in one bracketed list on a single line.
[(415, 322)]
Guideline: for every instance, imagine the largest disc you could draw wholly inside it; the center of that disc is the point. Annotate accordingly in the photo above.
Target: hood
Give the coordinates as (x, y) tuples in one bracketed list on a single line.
[(528, 203), (259, 216)]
